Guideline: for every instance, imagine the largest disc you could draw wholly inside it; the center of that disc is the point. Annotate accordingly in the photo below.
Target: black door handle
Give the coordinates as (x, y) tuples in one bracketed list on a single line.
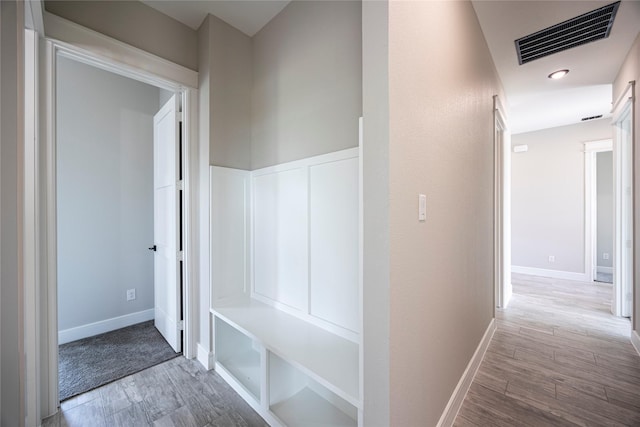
[(154, 248)]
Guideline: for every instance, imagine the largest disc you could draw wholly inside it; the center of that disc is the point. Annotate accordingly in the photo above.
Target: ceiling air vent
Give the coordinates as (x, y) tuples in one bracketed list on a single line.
[(584, 119), (591, 26)]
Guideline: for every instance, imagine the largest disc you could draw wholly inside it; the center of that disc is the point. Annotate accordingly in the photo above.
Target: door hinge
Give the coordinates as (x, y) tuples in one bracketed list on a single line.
[(181, 256), (181, 325), (179, 185)]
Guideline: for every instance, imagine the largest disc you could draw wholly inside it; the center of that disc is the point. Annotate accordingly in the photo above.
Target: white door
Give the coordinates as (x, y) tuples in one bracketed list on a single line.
[(166, 216)]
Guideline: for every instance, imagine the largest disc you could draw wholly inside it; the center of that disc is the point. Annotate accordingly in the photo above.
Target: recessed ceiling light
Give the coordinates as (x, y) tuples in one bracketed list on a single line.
[(558, 74)]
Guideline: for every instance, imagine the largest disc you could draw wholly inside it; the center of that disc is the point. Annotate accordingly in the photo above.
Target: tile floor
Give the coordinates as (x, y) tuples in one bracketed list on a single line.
[(558, 358), (179, 392)]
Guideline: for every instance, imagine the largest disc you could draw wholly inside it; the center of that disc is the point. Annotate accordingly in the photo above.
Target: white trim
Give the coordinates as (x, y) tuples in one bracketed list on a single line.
[(31, 244), (205, 357), (502, 206), (635, 340), (361, 267), (598, 146), (623, 108), (591, 148), (305, 315), (50, 235), (626, 93), (605, 270), (102, 326), (83, 40), (455, 402), (554, 274), (347, 153)]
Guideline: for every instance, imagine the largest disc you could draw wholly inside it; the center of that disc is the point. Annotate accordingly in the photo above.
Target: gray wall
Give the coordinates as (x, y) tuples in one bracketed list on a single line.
[(11, 142), (630, 71), (230, 95), (134, 23), (547, 196), (441, 82), (307, 82), (164, 97), (605, 208), (105, 194)]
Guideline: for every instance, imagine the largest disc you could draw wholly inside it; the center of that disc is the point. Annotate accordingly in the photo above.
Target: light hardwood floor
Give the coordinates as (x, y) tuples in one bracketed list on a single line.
[(558, 358), (179, 392)]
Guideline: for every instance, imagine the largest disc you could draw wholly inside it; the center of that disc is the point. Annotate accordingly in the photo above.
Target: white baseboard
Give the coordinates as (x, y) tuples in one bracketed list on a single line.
[(205, 357), (460, 392), (85, 331), (607, 270), (635, 340), (555, 274)]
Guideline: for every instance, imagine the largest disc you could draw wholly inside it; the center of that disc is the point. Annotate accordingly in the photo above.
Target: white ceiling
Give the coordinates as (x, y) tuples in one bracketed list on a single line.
[(537, 102), (248, 16)]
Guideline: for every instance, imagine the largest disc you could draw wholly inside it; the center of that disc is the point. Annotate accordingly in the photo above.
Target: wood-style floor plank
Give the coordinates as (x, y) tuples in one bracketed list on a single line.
[(558, 357), (176, 393)]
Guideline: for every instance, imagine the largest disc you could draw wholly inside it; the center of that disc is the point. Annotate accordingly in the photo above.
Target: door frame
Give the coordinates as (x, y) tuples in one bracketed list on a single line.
[(502, 206), (624, 107), (116, 57)]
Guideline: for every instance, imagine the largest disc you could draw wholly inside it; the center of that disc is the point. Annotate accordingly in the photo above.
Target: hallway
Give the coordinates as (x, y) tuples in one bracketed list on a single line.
[(558, 358)]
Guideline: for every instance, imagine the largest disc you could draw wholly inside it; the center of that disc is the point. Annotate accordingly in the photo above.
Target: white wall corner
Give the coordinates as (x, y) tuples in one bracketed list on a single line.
[(107, 325), (460, 392), (635, 340), (205, 357), (554, 274)]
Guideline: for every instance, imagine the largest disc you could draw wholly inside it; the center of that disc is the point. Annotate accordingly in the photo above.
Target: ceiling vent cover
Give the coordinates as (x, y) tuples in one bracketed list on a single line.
[(591, 26)]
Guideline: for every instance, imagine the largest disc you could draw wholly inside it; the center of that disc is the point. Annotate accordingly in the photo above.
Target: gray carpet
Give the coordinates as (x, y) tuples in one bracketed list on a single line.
[(91, 362)]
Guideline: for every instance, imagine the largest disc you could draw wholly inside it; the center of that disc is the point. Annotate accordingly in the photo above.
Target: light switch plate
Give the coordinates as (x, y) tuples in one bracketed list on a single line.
[(422, 207)]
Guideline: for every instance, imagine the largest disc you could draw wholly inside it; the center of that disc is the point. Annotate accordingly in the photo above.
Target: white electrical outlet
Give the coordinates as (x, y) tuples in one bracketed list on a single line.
[(131, 294), (605, 256), (552, 258)]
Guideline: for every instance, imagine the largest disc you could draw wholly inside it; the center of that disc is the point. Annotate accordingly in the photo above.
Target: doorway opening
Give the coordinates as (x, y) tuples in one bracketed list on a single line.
[(600, 210), (604, 208), (118, 211), (172, 81)]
